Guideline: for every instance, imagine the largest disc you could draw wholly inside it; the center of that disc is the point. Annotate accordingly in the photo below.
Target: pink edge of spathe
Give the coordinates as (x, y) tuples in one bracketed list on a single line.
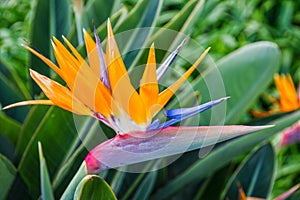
[(135, 147), (288, 193)]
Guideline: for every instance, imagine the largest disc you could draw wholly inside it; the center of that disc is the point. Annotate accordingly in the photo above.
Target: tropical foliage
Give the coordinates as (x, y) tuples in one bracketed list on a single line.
[(42, 148)]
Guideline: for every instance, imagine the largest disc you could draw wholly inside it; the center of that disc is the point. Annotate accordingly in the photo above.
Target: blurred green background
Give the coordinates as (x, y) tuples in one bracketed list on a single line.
[(229, 27)]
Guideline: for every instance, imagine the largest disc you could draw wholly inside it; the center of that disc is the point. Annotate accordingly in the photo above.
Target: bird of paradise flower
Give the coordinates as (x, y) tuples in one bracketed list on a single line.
[(101, 87), (289, 99)]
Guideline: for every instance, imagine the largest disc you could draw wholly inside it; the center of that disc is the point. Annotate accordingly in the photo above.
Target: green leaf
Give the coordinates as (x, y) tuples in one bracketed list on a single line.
[(10, 93), (146, 187), (93, 187), (68, 171), (90, 135), (171, 34), (47, 21), (32, 121), (255, 174), (57, 132), (13, 79), (97, 12), (10, 128), (222, 156), (214, 185), (46, 188), (244, 74), (117, 181), (7, 175), (70, 190), (142, 16)]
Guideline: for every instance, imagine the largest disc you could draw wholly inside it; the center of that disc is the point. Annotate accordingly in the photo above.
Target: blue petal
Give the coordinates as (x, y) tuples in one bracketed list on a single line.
[(154, 125), (180, 114), (165, 65), (103, 68)]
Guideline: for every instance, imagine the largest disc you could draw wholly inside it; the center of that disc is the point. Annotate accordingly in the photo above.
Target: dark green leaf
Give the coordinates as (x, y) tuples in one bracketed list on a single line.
[(47, 21), (57, 132), (9, 93), (10, 128), (97, 12), (255, 174), (135, 28), (222, 156), (146, 187), (7, 175)]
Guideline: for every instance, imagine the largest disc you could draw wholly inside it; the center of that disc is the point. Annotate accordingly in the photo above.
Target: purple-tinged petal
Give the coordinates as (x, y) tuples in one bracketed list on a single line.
[(137, 147), (102, 119), (169, 60), (288, 193), (180, 114), (291, 135), (103, 67)]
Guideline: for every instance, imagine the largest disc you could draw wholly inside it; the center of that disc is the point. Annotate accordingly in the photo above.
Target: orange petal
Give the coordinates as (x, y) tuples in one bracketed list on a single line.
[(74, 51), (165, 96), (92, 52), (68, 68), (116, 66), (59, 95), (69, 58), (30, 102), (46, 61), (91, 91), (258, 114), (83, 82), (89, 42), (123, 91), (242, 194), (287, 92), (149, 87)]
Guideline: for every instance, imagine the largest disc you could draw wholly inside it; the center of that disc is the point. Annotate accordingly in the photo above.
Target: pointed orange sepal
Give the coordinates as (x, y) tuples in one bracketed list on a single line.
[(149, 86), (287, 92), (46, 61), (165, 96), (59, 95), (92, 53), (122, 90)]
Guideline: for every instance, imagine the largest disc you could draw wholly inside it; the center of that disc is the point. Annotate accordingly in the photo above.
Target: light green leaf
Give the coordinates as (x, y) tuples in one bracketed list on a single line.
[(245, 74), (93, 187), (46, 188), (70, 190)]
